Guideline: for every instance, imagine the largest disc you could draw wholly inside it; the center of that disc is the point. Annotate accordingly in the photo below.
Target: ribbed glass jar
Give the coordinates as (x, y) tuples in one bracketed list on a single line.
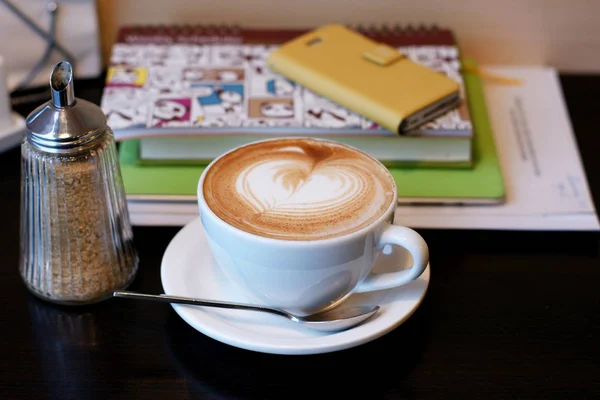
[(76, 238)]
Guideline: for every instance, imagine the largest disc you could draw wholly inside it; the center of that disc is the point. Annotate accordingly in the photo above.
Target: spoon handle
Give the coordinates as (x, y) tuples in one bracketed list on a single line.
[(197, 302)]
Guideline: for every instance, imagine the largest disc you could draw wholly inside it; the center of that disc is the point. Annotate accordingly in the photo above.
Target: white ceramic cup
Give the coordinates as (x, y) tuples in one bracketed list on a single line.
[(311, 275)]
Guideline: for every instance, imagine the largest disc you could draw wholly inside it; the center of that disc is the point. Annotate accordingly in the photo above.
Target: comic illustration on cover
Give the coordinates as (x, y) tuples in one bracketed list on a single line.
[(229, 85)]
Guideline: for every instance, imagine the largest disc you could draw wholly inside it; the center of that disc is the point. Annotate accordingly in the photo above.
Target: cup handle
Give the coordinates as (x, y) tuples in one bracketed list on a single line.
[(416, 246)]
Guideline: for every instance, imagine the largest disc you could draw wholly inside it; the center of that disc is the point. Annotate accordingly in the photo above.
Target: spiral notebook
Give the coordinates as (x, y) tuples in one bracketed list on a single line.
[(191, 93)]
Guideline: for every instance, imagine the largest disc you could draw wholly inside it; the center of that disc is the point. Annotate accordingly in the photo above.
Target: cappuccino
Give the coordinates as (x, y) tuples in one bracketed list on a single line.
[(298, 189)]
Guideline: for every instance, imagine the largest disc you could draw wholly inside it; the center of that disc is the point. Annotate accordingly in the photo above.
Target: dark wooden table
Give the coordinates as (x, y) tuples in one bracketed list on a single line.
[(507, 315)]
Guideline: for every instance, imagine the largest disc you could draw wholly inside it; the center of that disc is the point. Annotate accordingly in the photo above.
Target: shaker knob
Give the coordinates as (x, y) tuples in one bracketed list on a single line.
[(61, 85)]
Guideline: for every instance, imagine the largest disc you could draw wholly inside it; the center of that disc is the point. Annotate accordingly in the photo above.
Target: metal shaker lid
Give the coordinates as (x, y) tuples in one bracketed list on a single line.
[(64, 124)]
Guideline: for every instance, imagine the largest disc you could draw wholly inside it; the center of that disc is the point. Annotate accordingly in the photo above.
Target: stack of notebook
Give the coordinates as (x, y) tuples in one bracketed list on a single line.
[(178, 97)]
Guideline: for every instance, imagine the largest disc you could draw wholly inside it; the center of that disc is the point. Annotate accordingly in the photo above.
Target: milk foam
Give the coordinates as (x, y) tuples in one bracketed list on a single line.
[(298, 189)]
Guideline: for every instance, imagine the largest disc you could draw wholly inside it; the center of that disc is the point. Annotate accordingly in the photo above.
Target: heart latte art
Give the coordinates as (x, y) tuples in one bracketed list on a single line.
[(298, 189)]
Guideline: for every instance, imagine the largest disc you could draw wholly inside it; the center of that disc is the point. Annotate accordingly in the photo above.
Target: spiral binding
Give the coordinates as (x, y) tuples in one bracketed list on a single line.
[(209, 33), (408, 34), (233, 33), (396, 29)]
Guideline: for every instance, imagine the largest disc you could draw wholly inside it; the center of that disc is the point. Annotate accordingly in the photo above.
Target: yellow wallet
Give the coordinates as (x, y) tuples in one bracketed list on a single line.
[(370, 78)]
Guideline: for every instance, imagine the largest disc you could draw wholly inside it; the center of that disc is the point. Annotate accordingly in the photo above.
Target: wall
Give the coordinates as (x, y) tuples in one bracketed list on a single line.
[(561, 33)]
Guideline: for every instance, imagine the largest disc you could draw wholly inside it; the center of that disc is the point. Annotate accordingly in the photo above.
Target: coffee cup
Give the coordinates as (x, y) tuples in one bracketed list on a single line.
[(299, 223)]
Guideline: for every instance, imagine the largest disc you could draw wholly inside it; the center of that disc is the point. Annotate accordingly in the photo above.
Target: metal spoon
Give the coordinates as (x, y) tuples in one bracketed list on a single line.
[(336, 319)]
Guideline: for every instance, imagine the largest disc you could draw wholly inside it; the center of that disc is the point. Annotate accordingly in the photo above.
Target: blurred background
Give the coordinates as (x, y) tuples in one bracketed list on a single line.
[(561, 33)]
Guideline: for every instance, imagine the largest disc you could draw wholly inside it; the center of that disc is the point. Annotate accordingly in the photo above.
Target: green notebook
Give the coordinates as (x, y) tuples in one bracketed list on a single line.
[(483, 183)]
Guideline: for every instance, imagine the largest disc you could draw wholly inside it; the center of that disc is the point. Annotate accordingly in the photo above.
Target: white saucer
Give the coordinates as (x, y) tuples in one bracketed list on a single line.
[(189, 270)]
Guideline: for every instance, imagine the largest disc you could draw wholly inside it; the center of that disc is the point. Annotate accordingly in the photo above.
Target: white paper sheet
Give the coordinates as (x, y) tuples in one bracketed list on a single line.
[(545, 181)]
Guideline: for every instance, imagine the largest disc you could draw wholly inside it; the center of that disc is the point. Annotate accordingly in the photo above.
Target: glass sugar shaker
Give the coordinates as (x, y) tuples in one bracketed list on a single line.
[(76, 237)]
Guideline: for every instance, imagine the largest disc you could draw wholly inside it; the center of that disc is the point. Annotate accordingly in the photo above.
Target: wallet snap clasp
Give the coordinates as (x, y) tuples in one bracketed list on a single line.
[(383, 55)]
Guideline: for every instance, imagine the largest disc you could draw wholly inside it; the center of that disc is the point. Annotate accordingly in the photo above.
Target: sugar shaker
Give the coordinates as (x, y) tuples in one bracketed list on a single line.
[(76, 237)]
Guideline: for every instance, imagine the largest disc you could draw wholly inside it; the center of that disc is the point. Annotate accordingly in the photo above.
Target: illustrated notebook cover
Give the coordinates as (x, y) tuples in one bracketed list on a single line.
[(178, 80), (483, 183)]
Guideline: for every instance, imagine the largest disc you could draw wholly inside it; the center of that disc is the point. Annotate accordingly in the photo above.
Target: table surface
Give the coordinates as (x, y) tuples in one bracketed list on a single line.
[(507, 315)]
